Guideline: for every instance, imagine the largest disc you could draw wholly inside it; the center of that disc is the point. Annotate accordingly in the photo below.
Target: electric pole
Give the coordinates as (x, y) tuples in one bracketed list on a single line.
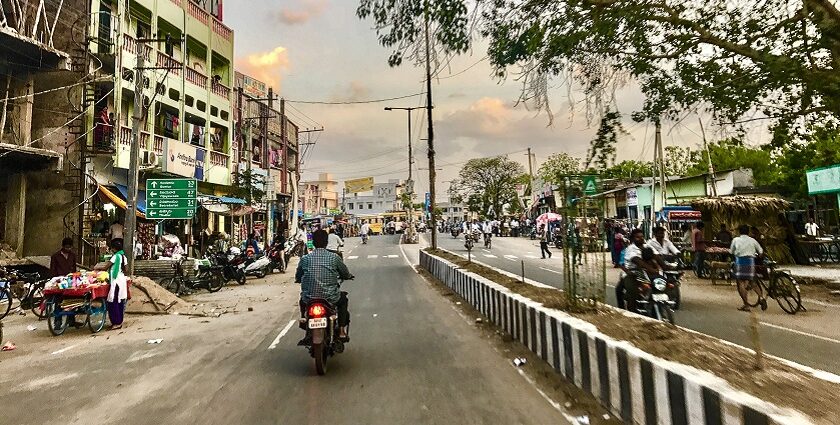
[(134, 158), (530, 175), (410, 182), (662, 174), (709, 157), (431, 130)]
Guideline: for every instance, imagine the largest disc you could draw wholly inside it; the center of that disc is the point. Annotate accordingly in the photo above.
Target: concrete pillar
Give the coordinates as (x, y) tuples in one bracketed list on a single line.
[(16, 212), (22, 114)]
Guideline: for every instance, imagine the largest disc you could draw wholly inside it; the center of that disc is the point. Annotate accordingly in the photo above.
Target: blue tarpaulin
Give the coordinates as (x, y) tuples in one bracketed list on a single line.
[(141, 197)]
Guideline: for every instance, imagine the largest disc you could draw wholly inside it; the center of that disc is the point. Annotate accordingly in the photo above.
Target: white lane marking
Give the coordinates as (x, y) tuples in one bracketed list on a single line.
[(550, 270), (511, 257), (553, 403), (352, 257), (485, 250), (531, 256), (281, 334), (405, 257), (139, 355), (391, 256), (373, 256), (490, 256), (802, 333), (65, 349)]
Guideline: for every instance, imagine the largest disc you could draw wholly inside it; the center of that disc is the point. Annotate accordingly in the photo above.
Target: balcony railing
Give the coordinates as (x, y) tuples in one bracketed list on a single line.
[(125, 135), (130, 45), (218, 159), (221, 89), (145, 136), (222, 30), (198, 13), (196, 77), (169, 62), (178, 2)]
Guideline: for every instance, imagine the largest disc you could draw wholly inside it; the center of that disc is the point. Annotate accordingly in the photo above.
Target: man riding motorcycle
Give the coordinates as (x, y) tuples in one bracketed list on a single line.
[(318, 274), (364, 232), (634, 264), (661, 246)]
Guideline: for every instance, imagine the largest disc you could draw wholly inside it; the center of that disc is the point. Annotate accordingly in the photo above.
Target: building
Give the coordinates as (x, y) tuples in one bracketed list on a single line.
[(40, 77), (452, 212), (385, 197), (267, 145), (319, 197)]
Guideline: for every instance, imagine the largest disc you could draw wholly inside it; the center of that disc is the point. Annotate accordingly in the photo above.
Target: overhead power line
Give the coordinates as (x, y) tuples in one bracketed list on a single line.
[(357, 102)]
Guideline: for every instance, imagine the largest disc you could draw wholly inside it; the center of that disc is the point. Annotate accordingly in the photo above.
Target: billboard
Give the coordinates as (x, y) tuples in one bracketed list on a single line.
[(823, 180), (251, 86), (364, 184)]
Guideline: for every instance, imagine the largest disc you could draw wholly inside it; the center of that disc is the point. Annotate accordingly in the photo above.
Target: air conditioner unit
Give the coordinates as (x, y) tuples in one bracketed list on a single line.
[(150, 160)]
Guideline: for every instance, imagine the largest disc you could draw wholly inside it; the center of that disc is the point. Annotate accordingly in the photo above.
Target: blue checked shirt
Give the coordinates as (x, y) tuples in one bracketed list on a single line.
[(318, 273)]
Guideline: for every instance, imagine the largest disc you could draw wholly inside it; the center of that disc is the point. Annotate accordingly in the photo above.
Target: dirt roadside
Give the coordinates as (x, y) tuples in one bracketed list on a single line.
[(777, 383)]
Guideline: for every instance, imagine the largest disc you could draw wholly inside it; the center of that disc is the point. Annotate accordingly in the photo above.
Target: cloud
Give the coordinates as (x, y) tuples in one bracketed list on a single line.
[(306, 11), (353, 92), (266, 66)]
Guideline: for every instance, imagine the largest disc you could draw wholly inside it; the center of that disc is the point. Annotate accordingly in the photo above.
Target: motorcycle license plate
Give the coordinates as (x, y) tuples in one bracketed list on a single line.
[(318, 323), (241, 266), (660, 297)]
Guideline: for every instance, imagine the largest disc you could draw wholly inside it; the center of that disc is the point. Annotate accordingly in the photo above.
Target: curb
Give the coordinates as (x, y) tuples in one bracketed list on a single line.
[(635, 386)]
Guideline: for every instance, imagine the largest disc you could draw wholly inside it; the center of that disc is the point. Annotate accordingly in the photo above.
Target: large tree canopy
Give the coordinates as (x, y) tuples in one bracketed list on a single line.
[(489, 183), (732, 58)]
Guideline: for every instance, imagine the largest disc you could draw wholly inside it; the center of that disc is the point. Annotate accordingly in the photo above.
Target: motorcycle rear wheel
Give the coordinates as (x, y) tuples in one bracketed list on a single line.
[(665, 313), (240, 277), (319, 352), (215, 282), (260, 273)]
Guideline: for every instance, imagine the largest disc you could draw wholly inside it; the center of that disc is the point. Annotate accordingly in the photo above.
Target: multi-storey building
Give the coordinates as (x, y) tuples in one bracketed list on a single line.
[(271, 152), (38, 84), (385, 197), (319, 197)]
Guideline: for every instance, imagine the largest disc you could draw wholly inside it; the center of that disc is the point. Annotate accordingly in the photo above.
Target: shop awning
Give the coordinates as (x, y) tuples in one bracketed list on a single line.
[(141, 197), (112, 193), (223, 205)]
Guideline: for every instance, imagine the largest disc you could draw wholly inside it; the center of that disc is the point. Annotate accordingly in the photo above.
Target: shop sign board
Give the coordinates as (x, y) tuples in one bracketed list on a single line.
[(632, 197), (685, 215), (171, 198), (590, 186), (823, 180)]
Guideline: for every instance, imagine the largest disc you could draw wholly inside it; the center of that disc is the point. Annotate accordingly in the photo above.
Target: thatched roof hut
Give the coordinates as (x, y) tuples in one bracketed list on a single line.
[(764, 213)]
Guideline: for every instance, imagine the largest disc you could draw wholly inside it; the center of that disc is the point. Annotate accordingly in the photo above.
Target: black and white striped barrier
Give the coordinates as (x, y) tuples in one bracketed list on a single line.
[(636, 386)]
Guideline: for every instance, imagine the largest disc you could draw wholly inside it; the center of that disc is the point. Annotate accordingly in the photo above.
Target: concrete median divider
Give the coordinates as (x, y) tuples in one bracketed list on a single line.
[(634, 385)]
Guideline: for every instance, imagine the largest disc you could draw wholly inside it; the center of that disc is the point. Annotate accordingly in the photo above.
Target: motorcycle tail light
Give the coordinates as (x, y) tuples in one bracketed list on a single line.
[(645, 287), (317, 310), (670, 285)]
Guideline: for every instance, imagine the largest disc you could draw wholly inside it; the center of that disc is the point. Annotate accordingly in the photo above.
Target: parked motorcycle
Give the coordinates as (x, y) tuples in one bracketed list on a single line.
[(322, 333), (298, 247), (232, 263), (257, 266), (208, 276), (557, 237), (488, 240)]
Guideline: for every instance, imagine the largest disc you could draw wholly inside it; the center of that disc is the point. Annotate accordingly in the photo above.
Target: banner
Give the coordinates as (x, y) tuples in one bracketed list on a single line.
[(364, 184), (632, 197)]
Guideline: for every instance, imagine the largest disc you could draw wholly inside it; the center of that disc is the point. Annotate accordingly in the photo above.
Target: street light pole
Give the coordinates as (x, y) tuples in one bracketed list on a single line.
[(410, 182)]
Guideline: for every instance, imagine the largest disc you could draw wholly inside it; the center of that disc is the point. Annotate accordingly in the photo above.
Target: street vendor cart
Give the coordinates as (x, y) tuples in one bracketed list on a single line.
[(63, 303)]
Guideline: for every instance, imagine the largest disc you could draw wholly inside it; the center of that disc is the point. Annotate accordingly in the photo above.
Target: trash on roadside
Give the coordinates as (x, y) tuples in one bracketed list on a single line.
[(9, 346), (606, 416), (478, 320), (568, 404), (374, 315), (519, 361), (154, 341), (457, 303), (31, 328), (250, 308), (582, 420)]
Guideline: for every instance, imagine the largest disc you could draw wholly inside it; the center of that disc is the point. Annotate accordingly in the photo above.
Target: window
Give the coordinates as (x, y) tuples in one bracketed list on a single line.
[(350, 206), (361, 206), (370, 206)]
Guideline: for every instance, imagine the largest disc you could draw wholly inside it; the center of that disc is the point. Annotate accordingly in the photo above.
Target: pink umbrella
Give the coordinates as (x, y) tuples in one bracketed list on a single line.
[(548, 217)]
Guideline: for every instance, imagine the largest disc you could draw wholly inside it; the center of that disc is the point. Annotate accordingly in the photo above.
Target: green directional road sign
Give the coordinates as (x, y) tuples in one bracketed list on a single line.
[(590, 186), (171, 198)]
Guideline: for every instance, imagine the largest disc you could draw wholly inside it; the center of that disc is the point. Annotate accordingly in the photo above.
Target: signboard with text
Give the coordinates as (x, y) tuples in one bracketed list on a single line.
[(823, 180), (590, 186), (171, 198)]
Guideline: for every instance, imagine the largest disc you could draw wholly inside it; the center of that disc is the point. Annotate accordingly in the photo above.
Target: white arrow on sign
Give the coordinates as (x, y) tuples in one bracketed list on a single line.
[(154, 184), (152, 203), (152, 194)]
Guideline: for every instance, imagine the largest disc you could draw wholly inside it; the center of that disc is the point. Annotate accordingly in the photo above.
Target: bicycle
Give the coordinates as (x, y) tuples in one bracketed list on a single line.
[(208, 276), (31, 294), (780, 286)]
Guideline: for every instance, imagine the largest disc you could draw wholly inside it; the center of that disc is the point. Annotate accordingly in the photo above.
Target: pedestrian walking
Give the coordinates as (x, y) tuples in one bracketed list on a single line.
[(698, 245), (618, 246), (544, 242), (745, 249)]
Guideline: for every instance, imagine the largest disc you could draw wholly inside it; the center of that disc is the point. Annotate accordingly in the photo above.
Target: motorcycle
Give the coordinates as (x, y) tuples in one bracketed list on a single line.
[(257, 266), (470, 239), (322, 332), (654, 300), (488, 240), (296, 247), (232, 263), (674, 277), (455, 232), (557, 236), (208, 276), (364, 238)]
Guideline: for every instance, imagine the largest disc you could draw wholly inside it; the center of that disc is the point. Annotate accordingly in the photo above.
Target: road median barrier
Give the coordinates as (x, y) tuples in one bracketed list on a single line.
[(634, 366)]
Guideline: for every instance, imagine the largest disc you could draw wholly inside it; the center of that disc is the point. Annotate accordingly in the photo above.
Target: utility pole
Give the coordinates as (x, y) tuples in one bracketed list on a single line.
[(709, 157), (662, 176), (410, 182), (429, 106), (134, 158), (530, 175)]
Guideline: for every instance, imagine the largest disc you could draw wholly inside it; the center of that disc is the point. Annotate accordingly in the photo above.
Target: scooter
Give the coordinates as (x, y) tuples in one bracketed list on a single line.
[(294, 247), (258, 266)]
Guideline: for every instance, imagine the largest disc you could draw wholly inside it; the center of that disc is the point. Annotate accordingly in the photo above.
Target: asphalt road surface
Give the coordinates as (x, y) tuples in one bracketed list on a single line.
[(811, 338), (412, 359)]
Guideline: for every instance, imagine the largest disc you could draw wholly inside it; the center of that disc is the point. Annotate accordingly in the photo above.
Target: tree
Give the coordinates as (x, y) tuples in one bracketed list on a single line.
[(774, 57), (677, 160), (489, 183), (821, 149), (729, 154), (558, 165), (249, 186), (629, 170), (601, 153)]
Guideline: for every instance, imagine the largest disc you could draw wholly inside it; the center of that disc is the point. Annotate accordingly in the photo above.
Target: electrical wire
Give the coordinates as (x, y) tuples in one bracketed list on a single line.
[(308, 118), (57, 89), (358, 102)]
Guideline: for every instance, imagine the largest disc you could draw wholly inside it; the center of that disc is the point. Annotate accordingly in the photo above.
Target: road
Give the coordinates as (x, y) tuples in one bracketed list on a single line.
[(811, 338), (412, 359)]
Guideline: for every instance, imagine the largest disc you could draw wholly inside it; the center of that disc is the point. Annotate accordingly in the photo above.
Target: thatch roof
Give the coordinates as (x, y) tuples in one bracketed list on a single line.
[(741, 205)]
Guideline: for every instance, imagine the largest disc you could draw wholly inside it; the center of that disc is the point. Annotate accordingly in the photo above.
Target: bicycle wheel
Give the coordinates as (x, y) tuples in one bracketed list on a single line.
[(96, 315), (37, 300), (172, 284), (56, 322), (834, 252), (787, 294), (754, 299), (5, 301)]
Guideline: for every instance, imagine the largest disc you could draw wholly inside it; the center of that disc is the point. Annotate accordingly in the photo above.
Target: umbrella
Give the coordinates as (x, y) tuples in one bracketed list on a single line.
[(548, 217)]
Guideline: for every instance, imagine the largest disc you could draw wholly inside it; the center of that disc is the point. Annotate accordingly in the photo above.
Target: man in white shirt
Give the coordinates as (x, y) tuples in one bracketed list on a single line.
[(811, 228), (116, 231), (514, 227), (334, 242), (660, 245), (745, 249)]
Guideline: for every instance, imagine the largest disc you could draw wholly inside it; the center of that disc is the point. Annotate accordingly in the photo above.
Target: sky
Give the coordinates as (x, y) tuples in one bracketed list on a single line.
[(318, 50)]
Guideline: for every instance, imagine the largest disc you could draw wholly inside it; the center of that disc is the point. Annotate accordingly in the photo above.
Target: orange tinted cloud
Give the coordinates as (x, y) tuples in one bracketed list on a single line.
[(266, 66), (308, 9)]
